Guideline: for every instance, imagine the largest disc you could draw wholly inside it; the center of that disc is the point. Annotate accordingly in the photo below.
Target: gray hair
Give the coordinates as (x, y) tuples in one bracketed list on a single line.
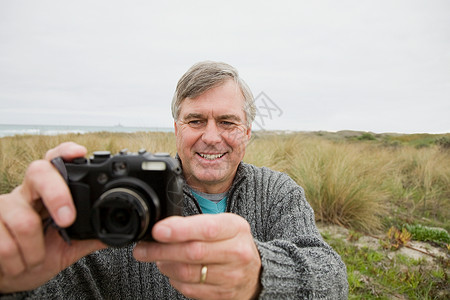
[(206, 75)]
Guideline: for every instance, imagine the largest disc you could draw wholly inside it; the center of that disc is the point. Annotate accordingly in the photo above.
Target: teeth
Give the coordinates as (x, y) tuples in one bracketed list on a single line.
[(211, 156)]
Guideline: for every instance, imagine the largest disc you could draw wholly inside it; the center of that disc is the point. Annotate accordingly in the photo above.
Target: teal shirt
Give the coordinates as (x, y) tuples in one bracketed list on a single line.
[(211, 207)]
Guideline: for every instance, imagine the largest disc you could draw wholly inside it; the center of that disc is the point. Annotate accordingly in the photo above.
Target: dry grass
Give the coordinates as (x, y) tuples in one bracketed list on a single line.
[(355, 184), (343, 186), (362, 184), (421, 183), (17, 152)]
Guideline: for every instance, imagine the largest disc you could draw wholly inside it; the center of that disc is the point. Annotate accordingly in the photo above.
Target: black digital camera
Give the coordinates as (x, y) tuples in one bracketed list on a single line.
[(119, 198)]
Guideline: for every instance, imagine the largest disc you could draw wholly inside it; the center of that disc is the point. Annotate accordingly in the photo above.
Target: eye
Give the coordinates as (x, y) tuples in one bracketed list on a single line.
[(196, 123), (228, 124)]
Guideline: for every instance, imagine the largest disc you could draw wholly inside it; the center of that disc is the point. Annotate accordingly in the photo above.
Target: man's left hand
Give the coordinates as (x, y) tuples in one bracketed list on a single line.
[(223, 243)]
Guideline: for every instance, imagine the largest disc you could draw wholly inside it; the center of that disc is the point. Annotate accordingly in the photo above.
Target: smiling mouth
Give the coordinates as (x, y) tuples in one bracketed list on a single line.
[(211, 156)]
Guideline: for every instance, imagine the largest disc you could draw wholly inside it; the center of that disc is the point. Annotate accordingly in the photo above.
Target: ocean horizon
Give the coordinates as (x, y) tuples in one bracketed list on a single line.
[(20, 129)]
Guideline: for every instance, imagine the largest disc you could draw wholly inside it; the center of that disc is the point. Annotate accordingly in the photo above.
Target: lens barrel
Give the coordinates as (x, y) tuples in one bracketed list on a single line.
[(121, 216)]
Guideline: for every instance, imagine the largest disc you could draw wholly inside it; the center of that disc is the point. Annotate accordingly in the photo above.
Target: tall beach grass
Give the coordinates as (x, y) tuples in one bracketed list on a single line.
[(361, 184)]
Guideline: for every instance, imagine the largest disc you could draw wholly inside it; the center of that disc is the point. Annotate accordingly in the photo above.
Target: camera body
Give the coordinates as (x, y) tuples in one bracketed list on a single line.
[(119, 198)]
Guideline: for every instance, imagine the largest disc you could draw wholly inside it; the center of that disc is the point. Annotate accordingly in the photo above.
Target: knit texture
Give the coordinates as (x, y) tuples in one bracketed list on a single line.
[(296, 262)]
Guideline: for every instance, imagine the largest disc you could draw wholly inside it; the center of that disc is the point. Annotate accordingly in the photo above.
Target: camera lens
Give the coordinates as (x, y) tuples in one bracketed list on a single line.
[(119, 220), (120, 216)]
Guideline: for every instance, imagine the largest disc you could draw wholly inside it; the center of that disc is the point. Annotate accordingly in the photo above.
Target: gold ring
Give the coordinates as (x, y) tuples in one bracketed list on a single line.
[(203, 274)]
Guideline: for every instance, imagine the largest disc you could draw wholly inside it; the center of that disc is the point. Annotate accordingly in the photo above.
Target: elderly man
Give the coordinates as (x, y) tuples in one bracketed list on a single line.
[(248, 232)]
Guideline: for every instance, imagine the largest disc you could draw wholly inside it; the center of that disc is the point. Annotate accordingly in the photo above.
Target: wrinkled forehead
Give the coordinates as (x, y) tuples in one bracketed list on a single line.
[(224, 100)]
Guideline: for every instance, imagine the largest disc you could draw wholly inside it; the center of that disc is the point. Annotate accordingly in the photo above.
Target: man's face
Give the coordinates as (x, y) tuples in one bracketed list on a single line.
[(211, 135)]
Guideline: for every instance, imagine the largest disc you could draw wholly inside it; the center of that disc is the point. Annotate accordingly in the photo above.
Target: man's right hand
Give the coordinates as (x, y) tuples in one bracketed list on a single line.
[(28, 257)]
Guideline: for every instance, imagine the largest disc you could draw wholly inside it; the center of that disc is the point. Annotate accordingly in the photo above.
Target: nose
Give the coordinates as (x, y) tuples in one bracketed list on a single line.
[(212, 134)]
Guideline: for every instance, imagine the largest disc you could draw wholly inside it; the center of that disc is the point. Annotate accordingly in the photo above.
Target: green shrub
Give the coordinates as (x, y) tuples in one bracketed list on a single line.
[(428, 234), (443, 142), (366, 137)]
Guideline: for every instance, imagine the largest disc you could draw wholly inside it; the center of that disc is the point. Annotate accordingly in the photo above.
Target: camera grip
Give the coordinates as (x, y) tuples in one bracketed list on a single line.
[(58, 163)]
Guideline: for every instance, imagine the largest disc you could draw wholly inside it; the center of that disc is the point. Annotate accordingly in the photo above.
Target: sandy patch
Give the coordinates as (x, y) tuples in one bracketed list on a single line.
[(415, 249)]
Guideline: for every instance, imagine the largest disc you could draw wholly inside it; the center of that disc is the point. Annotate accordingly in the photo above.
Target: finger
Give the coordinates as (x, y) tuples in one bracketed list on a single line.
[(216, 274), (205, 291), (25, 234), (189, 273), (68, 254), (59, 256), (198, 252), (11, 263), (187, 279), (199, 227), (221, 283), (21, 233), (67, 150), (43, 181)]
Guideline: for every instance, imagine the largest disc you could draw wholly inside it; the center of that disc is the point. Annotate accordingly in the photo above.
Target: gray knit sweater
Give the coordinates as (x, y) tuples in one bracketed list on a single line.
[(296, 262)]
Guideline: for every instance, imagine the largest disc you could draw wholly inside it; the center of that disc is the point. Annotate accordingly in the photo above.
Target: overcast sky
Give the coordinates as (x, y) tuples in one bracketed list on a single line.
[(380, 66)]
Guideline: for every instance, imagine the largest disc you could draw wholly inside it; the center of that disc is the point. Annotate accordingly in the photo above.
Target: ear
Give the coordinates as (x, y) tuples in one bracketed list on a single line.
[(175, 127), (249, 133)]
